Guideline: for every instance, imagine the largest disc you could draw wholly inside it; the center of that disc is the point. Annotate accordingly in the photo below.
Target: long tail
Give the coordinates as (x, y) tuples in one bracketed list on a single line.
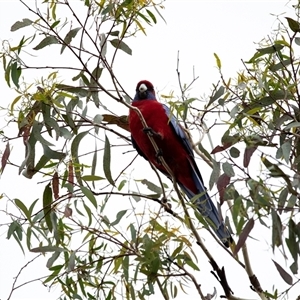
[(207, 209)]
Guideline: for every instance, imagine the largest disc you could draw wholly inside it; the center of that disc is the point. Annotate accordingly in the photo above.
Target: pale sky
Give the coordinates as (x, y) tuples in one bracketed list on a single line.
[(195, 28)]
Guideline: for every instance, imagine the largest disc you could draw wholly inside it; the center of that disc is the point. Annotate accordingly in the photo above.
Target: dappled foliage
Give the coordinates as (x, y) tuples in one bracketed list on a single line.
[(70, 129)]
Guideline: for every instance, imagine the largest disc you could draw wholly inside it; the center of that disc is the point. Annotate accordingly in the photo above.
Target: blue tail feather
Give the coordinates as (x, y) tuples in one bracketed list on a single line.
[(206, 207)]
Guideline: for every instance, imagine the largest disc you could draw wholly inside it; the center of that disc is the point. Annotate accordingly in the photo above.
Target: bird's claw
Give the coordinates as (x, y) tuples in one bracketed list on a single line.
[(151, 132), (158, 154)]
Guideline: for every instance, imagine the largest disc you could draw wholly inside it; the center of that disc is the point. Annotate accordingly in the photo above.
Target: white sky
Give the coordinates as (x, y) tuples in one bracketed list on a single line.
[(195, 28)]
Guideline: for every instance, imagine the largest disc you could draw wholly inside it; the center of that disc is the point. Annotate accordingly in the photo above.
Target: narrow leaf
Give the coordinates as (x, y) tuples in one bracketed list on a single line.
[(91, 178), (21, 24), (23, 208), (243, 236), (217, 95), (284, 275), (68, 38), (106, 162), (52, 259), (121, 45), (36, 131), (5, 157), (15, 74), (271, 49), (89, 194), (276, 229), (152, 187), (47, 41), (55, 185), (51, 154), (74, 153), (215, 174), (228, 169), (222, 183), (44, 249), (294, 25), (218, 61), (248, 154), (120, 215), (47, 201), (71, 264)]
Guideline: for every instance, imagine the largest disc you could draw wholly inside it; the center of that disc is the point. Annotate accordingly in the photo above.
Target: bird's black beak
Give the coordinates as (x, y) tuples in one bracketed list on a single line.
[(143, 94)]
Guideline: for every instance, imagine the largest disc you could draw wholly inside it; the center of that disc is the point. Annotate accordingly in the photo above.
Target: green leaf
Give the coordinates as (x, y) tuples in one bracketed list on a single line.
[(36, 131), (152, 16), (204, 151), (29, 159), (69, 37), (23, 208), (5, 157), (121, 185), (217, 95), (297, 41), (125, 267), (79, 91), (89, 194), (97, 120), (215, 174), (95, 76), (103, 44), (74, 153), (152, 187), (21, 24), (95, 97), (286, 151), (234, 152), (64, 132), (228, 169), (55, 24), (133, 233), (121, 45), (282, 199), (89, 214), (52, 259), (218, 61), (47, 201), (280, 65), (294, 25), (120, 215), (106, 162), (47, 41), (12, 228), (192, 264), (271, 49), (41, 163), (91, 178), (51, 154), (94, 163), (71, 263), (292, 125), (44, 249), (15, 74), (276, 229)]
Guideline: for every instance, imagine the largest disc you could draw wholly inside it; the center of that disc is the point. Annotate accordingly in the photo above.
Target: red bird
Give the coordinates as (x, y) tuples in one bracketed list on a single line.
[(176, 150)]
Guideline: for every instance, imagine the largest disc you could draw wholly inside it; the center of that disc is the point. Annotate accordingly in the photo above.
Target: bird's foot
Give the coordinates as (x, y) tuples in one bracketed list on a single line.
[(158, 154), (151, 132)]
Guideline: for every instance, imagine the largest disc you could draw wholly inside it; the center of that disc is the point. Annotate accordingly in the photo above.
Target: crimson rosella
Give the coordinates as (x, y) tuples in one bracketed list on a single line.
[(175, 148)]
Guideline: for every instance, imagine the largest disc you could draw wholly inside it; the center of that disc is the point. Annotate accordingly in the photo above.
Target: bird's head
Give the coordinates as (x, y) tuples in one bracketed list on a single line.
[(144, 91)]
